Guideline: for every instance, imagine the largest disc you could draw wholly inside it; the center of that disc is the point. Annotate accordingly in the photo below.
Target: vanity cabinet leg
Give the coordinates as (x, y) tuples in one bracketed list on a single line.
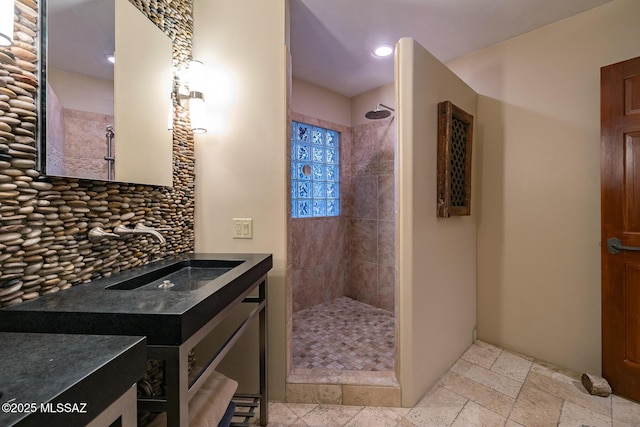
[(264, 397), (176, 389)]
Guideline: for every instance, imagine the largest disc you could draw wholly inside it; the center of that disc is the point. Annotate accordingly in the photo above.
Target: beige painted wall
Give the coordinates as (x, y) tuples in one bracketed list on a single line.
[(241, 172), (324, 104), (81, 92), (321, 103), (538, 151), (436, 256), (367, 101)]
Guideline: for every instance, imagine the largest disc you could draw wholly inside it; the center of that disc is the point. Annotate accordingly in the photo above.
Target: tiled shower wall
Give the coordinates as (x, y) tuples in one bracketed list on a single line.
[(76, 140), (85, 143), (55, 136), (352, 255), (372, 219), (44, 221)]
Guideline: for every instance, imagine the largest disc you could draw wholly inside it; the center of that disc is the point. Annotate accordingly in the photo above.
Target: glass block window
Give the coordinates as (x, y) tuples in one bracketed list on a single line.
[(315, 171)]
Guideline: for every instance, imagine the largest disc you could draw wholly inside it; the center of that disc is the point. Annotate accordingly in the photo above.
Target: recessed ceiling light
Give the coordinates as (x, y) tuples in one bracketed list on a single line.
[(383, 51), (111, 58)]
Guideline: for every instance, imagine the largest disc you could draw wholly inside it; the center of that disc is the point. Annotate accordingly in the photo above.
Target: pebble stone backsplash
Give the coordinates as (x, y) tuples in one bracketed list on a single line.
[(44, 222)]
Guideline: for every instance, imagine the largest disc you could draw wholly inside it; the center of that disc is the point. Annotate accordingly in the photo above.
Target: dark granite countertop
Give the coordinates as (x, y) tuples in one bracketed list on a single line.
[(164, 317), (65, 369)]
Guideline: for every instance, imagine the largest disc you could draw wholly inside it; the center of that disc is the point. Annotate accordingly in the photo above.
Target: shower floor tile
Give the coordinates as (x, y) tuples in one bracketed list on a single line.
[(344, 334)]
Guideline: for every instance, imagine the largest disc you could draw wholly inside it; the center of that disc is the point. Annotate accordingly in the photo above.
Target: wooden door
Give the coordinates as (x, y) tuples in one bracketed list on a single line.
[(620, 198)]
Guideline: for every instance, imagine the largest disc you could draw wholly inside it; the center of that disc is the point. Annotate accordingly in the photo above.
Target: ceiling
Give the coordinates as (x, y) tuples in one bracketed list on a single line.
[(332, 40), (80, 34)]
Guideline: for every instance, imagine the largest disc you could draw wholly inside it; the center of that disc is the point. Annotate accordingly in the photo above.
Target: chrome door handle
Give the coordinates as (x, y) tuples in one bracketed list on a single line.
[(615, 246)]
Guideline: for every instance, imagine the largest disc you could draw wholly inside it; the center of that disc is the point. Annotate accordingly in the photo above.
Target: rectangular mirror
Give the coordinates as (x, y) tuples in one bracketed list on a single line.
[(105, 121)]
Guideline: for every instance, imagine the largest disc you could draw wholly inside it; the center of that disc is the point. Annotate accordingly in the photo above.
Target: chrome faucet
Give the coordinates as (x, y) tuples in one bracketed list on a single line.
[(96, 234), (122, 231)]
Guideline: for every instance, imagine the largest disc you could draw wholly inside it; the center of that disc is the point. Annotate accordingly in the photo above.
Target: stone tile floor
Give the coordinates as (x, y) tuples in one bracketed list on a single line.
[(487, 386), (344, 334)]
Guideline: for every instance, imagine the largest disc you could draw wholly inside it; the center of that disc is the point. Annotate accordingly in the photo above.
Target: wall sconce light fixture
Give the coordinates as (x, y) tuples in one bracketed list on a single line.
[(198, 115), (191, 94), (212, 116), (196, 96), (7, 13)]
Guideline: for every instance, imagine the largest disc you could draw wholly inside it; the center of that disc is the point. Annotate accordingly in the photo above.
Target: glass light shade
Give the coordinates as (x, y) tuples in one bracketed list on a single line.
[(198, 115), (6, 22), (196, 76)]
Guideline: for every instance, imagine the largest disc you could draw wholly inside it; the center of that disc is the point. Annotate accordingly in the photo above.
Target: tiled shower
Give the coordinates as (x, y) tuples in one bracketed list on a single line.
[(343, 281), (76, 140)]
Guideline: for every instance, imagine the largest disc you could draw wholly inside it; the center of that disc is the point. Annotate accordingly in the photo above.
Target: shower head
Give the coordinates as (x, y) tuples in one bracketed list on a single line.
[(379, 113)]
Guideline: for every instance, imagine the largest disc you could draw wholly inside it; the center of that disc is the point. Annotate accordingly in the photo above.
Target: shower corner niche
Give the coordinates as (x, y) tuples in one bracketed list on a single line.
[(103, 121)]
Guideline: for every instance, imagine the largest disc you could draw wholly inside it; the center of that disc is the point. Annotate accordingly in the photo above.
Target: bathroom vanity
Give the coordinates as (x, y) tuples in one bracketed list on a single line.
[(174, 303), (50, 379)]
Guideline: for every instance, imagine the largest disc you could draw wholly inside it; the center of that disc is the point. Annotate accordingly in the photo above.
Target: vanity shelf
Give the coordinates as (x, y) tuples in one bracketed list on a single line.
[(246, 405)]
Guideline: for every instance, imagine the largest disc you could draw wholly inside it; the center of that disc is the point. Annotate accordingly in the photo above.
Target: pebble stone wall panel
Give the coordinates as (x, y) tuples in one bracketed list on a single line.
[(44, 221)]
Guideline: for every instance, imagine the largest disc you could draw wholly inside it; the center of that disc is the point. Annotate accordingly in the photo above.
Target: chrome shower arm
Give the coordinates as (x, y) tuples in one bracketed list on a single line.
[(384, 106)]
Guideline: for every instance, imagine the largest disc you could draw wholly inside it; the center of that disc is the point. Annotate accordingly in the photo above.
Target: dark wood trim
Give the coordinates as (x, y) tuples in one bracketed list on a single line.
[(447, 113)]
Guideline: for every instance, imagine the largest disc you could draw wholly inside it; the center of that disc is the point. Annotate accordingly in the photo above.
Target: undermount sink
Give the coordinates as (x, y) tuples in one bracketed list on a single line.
[(187, 275)]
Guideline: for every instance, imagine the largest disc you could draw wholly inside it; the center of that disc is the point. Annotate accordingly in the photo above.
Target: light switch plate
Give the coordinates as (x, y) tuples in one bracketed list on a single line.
[(242, 228)]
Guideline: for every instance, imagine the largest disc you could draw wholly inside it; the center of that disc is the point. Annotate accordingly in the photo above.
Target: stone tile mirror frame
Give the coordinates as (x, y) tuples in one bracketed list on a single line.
[(44, 222)]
